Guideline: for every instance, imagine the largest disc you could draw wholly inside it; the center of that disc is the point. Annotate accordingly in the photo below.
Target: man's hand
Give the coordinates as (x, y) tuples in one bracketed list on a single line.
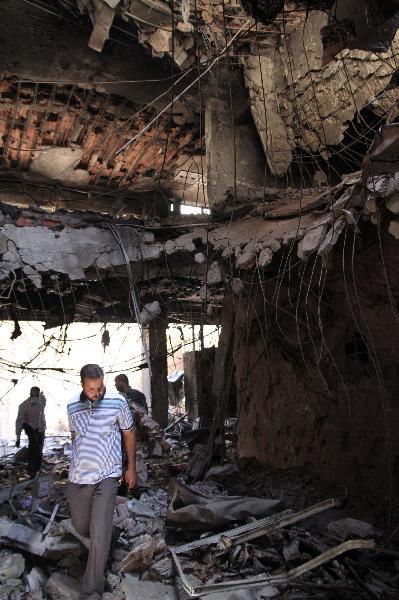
[(130, 477), (17, 443)]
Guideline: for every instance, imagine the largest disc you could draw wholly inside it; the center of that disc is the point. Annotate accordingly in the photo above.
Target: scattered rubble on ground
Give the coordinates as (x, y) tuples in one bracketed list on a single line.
[(235, 535)]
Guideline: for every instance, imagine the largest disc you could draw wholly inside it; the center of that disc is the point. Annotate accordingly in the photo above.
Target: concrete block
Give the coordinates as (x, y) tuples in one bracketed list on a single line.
[(62, 587), (311, 241), (394, 229), (161, 41), (265, 257), (11, 566), (147, 590), (393, 204)]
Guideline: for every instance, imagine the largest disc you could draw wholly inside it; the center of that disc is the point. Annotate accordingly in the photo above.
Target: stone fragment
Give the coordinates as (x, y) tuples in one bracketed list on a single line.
[(348, 528), (150, 312), (237, 286), (221, 472), (331, 237), (62, 587), (147, 590), (140, 509), (36, 579), (113, 596), (11, 588), (162, 569), (184, 27), (291, 550), (246, 260), (36, 595), (214, 275), (142, 554), (265, 257), (381, 185), (30, 540), (394, 229), (114, 581), (393, 204), (11, 566), (312, 240), (161, 41), (200, 258)]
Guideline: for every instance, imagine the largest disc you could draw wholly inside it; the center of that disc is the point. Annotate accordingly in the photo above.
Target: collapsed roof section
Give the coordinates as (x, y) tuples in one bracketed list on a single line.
[(136, 112), (67, 267)]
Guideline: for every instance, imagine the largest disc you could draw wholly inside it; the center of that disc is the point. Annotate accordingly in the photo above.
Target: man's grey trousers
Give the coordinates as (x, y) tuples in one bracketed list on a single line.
[(92, 510)]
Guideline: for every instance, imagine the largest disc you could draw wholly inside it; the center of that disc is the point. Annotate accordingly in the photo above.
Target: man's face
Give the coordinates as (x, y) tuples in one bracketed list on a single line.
[(121, 385), (93, 388)]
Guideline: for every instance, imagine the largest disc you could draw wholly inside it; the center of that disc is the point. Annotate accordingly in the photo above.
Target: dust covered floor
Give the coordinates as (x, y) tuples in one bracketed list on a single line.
[(240, 523)]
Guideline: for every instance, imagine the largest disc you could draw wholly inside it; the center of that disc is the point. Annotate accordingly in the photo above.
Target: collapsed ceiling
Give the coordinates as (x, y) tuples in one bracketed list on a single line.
[(118, 112)]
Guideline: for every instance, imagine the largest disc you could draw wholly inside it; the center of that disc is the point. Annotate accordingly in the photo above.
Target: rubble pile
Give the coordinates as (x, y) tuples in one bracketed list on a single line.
[(174, 541)]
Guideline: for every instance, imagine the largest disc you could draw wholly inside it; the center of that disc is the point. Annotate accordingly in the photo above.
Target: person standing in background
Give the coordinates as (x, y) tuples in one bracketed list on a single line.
[(31, 419), (132, 396)]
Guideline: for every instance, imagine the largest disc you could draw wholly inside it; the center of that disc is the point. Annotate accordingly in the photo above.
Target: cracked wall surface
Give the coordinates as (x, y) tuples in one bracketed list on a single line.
[(296, 101), (309, 394)]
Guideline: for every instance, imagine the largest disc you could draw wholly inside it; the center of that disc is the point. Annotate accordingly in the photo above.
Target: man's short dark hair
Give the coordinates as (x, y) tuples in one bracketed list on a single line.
[(91, 372), (34, 391), (123, 378)]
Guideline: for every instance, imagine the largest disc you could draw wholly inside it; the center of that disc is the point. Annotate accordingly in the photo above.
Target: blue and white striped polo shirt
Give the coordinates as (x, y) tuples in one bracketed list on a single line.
[(96, 451)]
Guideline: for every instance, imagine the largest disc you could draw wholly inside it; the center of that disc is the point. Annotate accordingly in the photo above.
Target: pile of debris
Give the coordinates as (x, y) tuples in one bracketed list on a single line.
[(176, 541)]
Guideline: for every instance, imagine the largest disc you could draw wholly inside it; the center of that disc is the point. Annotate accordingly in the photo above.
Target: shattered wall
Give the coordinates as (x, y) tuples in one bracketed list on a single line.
[(298, 102), (316, 374)]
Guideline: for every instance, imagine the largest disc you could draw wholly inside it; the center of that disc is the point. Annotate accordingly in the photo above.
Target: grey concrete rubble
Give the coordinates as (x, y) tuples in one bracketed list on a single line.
[(62, 587), (11, 566), (349, 527), (142, 564)]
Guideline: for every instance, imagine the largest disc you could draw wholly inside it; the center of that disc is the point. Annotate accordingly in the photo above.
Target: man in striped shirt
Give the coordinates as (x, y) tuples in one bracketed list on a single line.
[(96, 420)]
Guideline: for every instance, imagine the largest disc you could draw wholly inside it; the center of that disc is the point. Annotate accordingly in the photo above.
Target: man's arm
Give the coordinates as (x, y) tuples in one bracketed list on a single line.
[(18, 424), (129, 440)]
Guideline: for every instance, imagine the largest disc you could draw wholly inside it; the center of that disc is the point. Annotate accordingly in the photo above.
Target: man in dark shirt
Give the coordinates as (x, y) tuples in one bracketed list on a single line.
[(132, 396), (31, 419)]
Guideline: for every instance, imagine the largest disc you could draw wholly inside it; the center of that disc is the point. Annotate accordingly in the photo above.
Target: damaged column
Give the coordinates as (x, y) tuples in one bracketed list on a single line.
[(159, 367), (234, 153), (264, 76)]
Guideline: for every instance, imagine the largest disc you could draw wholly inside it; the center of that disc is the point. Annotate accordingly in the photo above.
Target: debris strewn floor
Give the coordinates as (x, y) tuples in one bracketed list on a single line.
[(232, 536)]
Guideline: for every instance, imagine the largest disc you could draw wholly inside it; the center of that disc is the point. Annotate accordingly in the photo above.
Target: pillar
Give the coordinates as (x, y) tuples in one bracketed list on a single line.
[(159, 367)]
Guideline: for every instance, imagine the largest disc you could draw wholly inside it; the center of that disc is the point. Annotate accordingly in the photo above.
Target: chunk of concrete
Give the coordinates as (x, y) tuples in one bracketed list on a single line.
[(62, 587), (200, 258), (381, 185), (162, 569), (149, 312), (222, 472), (312, 241), (394, 229), (393, 204), (11, 588), (265, 257), (36, 579), (140, 509), (11, 566), (348, 528), (142, 555), (161, 41), (246, 260), (60, 164), (214, 275), (147, 590)]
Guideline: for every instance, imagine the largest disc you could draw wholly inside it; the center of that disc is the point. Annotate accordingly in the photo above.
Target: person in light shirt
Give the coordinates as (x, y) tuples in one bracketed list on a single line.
[(98, 420)]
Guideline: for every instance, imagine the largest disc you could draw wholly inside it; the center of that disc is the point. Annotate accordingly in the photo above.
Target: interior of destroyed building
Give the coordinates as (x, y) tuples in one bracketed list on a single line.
[(203, 196)]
